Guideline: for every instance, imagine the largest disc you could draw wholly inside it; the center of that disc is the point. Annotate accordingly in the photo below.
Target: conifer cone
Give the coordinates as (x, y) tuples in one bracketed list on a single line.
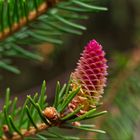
[(90, 75)]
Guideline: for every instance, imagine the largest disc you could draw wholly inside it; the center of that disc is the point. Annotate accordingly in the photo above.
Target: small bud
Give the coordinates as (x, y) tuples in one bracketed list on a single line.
[(76, 123), (6, 131), (51, 113)]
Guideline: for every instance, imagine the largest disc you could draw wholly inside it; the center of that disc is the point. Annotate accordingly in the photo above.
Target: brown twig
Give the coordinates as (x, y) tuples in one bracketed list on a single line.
[(52, 116), (30, 132), (25, 20)]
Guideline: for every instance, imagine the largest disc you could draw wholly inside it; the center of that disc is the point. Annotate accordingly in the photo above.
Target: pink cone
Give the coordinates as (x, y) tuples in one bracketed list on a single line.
[(90, 75)]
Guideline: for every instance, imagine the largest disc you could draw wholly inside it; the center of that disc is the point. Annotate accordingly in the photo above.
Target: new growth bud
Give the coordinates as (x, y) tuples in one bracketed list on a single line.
[(90, 75)]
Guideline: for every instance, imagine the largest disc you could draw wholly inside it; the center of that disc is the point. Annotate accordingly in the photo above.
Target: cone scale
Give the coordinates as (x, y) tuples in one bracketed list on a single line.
[(90, 75)]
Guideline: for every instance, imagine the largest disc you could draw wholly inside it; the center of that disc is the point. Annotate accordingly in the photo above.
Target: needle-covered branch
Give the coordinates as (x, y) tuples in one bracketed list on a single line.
[(25, 24), (75, 102)]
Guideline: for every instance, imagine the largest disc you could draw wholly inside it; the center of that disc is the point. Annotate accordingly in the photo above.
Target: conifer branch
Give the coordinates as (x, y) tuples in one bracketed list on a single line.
[(73, 103), (34, 14), (30, 23), (44, 118)]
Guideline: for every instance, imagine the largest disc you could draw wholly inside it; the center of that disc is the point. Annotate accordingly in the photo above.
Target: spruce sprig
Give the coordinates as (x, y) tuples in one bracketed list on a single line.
[(28, 23), (31, 119)]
